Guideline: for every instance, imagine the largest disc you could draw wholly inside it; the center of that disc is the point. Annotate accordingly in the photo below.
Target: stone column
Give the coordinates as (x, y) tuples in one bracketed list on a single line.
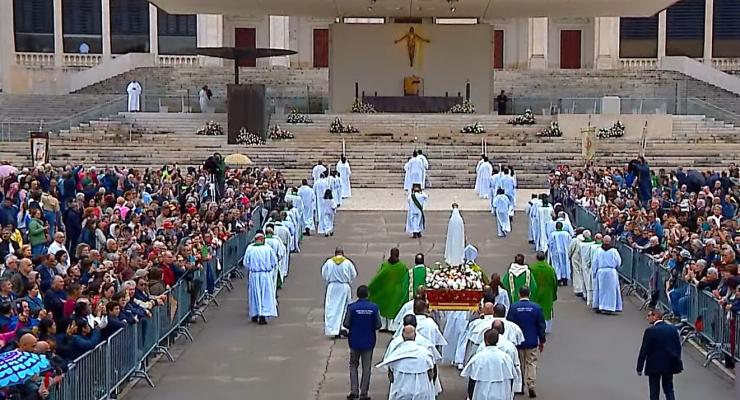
[(538, 43), (105, 25), (279, 38), (662, 19), (606, 42), (708, 30), (153, 30), (58, 34), (210, 34)]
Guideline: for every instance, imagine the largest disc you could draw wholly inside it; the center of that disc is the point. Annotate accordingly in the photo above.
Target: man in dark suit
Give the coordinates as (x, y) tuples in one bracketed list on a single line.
[(660, 355), (362, 320)]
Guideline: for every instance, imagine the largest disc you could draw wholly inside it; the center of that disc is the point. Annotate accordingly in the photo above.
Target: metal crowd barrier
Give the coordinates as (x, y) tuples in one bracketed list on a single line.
[(706, 320), (99, 373)]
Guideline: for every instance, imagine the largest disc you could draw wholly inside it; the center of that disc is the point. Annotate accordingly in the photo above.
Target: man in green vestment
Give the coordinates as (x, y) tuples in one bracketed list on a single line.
[(417, 276), (389, 288), (547, 287), (516, 276)]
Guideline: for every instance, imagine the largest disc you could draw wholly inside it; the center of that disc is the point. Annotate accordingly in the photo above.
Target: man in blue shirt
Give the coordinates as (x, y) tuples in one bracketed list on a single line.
[(529, 317), (362, 320)]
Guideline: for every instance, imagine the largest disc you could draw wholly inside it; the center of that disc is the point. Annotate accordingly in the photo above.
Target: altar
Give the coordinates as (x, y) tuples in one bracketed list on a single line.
[(412, 104)]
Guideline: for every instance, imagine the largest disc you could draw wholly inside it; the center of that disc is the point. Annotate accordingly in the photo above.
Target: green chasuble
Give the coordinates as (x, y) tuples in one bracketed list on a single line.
[(547, 286), (419, 274), (516, 277), (389, 288)]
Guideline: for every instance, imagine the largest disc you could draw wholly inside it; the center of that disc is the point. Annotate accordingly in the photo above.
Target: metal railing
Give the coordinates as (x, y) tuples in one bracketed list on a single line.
[(127, 354), (696, 106), (706, 321)]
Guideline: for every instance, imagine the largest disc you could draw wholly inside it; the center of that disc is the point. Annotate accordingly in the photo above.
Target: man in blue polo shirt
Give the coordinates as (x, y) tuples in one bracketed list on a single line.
[(362, 320), (529, 317)]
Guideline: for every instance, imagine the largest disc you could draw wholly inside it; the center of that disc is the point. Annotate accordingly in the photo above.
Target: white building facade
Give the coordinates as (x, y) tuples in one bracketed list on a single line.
[(67, 36)]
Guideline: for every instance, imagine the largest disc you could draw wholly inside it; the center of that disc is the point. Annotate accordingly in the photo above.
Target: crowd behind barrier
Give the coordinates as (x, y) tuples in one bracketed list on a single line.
[(664, 230), (127, 354)]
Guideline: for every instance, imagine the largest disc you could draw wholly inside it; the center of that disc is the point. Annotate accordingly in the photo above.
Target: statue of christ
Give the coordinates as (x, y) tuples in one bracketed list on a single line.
[(411, 38)]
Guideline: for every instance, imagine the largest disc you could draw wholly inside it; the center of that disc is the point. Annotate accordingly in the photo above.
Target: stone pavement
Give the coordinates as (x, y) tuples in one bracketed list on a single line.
[(589, 356), (368, 199)]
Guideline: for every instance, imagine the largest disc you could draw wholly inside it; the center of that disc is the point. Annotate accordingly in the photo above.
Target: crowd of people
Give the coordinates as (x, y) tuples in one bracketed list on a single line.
[(685, 220), (86, 251)]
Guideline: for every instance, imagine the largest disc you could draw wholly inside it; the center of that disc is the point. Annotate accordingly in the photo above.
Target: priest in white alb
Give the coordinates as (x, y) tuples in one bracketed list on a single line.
[(508, 347), (338, 273), (260, 261), (544, 214), (455, 244), (490, 372), (472, 337), (308, 200), (345, 172), (317, 171), (483, 173), (134, 96), (320, 186), (281, 252), (559, 245), (410, 320), (410, 369), (607, 295), (415, 171), (415, 221), (531, 211), (425, 325)]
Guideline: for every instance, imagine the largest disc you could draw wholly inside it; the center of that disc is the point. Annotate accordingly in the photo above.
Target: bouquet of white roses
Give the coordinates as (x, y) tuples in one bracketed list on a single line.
[(339, 127), (466, 107), (360, 107), (248, 138), (297, 118), (551, 131), (212, 128), (454, 278), (474, 128), (615, 131), (279, 134), (525, 119)]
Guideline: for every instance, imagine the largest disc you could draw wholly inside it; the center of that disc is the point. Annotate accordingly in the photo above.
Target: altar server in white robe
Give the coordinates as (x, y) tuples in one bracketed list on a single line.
[(424, 161), (425, 325), (455, 244), (317, 171), (607, 294), (345, 173), (561, 217), (328, 211), (283, 232), (477, 186), (509, 186), (531, 211), (260, 260), (281, 252), (589, 250), (335, 184), (510, 349), (296, 202), (410, 320), (414, 169), (494, 185), (338, 273), (558, 246), (491, 372), (516, 185), (410, 370), (574, 255), (308, 200), (415, 221), (134, 96), (501, 209), (544, 214), (320, 188), (484, 172)]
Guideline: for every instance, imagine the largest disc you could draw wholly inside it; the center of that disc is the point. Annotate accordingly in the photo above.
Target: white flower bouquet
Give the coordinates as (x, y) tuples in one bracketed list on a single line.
[(211, 128), (248, 138), (525, 119), (466, 107), (360, 107), (551, 131), (276, 133), (339, 127), (454, 278), (474, 128), (297, 118), (614, 131)]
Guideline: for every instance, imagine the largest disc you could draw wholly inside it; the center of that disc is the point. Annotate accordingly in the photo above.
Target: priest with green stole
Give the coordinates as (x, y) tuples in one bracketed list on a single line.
[(547, 287), (389, 289), (516, 276), (417, 276)]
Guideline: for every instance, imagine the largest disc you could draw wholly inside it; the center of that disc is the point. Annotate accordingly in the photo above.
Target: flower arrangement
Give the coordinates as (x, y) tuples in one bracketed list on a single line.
[(525, 119), (248, 138), (615, 131), (276, 133), (297, 118), (455, 278), (466, 107), (360, 107), (211, 128), (551, 131), (339, 127), (474, 128)]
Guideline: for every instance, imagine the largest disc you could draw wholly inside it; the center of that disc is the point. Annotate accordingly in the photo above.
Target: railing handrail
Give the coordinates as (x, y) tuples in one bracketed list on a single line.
[(715, 107)]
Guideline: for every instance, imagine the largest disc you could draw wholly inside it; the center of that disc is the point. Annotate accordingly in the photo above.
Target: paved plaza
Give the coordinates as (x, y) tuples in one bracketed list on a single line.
[(587, 357)]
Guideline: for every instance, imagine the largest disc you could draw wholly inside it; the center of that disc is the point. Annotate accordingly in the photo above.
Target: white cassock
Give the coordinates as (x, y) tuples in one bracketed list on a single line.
[(483, 179), (294, 232), (203, 100), (544, 214), (516, 185), (338, 273), (501, 208), (316, 173), (495, 184), (415, 222), (424, 161), (345, 172), (510, 349), (534, 205), (297, 211), (308, 198), (558, 247), (588, 251), (512, 331), (509, 186), (428, 328), (455, 244), (281, 252), (471, 338), (493, 373), (477, 186), (607, 294), (134, 96), (436, 356), (414, 173), (410, 363), (574, 256), (320, 188), (335, 184), (260, 260), (284, 234), (326, 219), (550, 227), (406, 309), (456, 323)]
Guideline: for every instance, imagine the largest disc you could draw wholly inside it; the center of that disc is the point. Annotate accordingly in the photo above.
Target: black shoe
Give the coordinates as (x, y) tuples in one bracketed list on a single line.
[(326, 235), (337, 336), (254, 319), (365, 397), (308, 232), (352, 396), (579, 295), (532, 393), (262, 321), (331, 234)]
